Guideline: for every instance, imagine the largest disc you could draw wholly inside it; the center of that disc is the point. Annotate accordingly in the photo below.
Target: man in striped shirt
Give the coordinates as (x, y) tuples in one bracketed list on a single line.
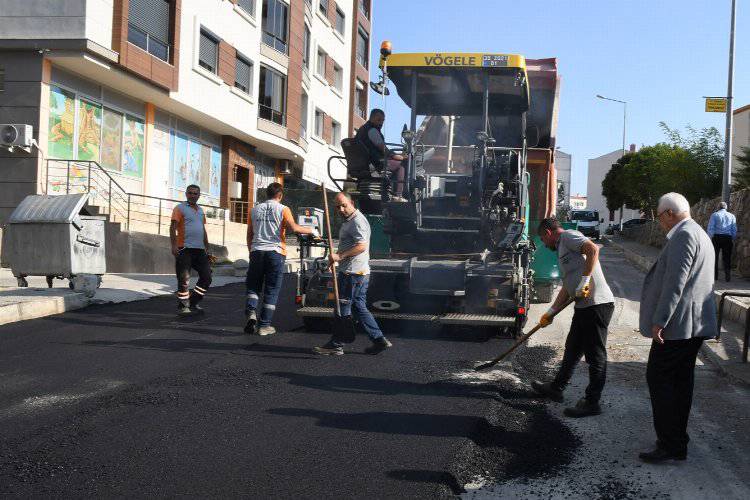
[(266, 239), (187, 233)]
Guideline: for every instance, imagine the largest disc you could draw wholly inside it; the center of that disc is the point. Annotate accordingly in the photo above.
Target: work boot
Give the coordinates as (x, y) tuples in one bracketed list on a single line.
[(583, 408), (197, 309), (378, 345), (329, 350), (252, 319), (546, 389), (266, 330), (183, 309)]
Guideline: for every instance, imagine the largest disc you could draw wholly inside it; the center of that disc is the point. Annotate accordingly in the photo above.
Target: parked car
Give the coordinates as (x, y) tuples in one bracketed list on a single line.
[(633, 223)]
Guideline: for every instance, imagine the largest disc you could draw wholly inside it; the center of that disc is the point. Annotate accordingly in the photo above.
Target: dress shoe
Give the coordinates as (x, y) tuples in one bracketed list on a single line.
[(660, 455)]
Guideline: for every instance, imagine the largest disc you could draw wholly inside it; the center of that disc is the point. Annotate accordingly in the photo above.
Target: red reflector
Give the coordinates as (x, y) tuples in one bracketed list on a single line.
[(521, 311), (298, 299)]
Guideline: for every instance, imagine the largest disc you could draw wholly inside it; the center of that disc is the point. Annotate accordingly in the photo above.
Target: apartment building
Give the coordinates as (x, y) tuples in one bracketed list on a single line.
[(598, 168), (227, 94)]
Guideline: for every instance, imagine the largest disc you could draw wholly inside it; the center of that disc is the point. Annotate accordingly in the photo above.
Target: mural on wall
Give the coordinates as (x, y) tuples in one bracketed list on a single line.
[(89, 130), (61, 124), (194, 163), (204, 180), (132, 154), (180, 162), (215, 186), (112, 140)]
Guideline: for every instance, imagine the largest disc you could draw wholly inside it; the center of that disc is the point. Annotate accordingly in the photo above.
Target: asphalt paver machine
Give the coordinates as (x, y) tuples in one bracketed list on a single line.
[(479, 175)]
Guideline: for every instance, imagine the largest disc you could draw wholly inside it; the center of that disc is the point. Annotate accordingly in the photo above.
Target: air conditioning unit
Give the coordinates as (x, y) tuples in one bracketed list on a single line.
[(16, 134)]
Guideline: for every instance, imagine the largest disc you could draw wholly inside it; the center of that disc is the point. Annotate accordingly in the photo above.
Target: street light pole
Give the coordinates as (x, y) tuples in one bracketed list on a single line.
[(624, 123), (727, 179)]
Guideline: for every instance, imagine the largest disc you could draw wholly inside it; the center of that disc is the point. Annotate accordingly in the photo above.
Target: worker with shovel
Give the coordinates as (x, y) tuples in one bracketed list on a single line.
[(583, 281), (353, 260)]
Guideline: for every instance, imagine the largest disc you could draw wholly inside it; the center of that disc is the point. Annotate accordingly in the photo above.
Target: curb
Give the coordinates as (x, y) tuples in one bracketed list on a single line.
[(710, 357), (44, 306)]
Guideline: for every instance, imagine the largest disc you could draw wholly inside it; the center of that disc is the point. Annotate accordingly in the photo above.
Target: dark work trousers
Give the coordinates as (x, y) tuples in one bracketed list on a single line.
[(265, 272), (192, 258), (670, 375), (723, 243), (587, 337)]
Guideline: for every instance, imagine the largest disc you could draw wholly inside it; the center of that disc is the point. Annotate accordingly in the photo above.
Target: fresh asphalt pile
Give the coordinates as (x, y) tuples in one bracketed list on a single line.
[(125, 400)]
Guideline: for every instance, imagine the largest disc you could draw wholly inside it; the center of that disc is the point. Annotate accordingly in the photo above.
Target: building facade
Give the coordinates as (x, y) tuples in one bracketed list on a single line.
[(578, 201), (227, 94), (563, 169), (741, 133), (595, 200)]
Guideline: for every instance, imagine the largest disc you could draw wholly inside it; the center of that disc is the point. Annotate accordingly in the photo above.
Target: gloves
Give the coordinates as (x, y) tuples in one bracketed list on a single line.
[(583, 290), (547, 317), (315, 234)]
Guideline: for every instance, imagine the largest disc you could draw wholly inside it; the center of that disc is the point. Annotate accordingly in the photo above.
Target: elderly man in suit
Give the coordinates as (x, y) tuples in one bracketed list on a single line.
[(678, 312)]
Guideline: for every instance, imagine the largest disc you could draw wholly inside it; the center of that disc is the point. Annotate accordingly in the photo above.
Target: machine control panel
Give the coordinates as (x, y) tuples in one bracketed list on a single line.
[(512, 235), (311, 217)]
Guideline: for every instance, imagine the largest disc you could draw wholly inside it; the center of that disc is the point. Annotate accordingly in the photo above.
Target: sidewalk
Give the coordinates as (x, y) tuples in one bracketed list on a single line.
[(725, 354), (36, 301)]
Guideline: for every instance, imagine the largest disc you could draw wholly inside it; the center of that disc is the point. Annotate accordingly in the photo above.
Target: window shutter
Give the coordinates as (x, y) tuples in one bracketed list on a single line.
[(244, 73), (207, 50), (151, 16)]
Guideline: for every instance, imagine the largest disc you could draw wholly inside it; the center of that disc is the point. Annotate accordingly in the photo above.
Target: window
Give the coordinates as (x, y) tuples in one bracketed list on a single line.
[(272, 95), (338, 77), (275, 24), (303, 116), (320, 65), (243, 74), (319, 117), (335, 133), (208, 52), (363, 45), (364, 7), (340, 21), (323, 6), (307, 43), (248, 6), (148, 26), (360, 99)]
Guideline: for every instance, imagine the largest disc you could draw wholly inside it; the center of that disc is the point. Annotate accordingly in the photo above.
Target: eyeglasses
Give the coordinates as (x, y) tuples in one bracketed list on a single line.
[(658, 216)]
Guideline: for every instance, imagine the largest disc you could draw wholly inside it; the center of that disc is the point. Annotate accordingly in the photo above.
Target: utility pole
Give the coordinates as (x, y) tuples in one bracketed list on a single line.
[(726, 187), (624, 123)]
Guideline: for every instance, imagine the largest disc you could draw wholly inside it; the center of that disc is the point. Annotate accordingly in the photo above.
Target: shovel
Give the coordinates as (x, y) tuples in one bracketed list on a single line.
[(518, 343), (343, 327)]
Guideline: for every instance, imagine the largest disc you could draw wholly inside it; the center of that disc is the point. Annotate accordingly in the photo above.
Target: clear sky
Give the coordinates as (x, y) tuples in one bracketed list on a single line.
[(661, 56)]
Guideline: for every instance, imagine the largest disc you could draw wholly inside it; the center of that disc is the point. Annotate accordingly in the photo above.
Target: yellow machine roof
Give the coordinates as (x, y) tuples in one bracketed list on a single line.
[(456, 59), (453, 83)]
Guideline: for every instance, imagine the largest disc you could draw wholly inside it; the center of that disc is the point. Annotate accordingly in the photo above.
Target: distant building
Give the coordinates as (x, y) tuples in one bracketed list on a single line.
[(741, 131), (578, 202), (563, 162), (598, 169)]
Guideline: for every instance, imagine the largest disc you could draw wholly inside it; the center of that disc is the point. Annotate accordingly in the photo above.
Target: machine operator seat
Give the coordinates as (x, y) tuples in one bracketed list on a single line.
[(373, 182)]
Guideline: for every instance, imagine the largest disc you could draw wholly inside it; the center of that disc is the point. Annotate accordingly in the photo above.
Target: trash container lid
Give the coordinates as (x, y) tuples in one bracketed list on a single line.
[(36, 208)]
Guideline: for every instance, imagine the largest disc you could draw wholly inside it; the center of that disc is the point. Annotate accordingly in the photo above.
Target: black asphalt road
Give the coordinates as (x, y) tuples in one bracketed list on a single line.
[(127, 400)]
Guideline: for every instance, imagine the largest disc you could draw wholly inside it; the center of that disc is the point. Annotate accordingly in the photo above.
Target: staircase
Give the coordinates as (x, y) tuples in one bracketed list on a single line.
[(137, 224)]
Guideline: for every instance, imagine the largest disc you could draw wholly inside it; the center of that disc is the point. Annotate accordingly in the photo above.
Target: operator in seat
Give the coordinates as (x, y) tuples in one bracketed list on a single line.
[(371, 136)]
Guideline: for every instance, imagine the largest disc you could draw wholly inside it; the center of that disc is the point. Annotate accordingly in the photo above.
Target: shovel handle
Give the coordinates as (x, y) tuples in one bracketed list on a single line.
[(518, 343), (330, 249)]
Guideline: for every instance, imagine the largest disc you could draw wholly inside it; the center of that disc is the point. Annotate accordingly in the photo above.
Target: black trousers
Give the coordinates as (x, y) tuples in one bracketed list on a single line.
[(192, 258), (587, 337), (723, 243), (670, 375)]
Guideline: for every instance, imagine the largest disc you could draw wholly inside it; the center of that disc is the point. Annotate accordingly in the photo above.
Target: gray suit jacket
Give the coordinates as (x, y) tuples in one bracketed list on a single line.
[(678, 289)]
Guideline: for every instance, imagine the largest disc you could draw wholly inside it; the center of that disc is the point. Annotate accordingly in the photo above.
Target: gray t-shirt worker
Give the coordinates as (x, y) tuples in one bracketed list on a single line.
[(354, 231), (583, 282)]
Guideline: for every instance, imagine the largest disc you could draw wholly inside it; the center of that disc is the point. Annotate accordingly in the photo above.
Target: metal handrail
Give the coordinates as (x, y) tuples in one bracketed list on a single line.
[(125, 198), (724, 295)]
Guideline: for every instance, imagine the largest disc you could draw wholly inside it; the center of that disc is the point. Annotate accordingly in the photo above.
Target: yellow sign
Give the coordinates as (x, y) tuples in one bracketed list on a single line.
[(716, 105), (472, 60)]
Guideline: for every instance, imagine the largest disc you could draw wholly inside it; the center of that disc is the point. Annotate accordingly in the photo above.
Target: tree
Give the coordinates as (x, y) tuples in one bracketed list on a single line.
[(613, 186), (741, 177), (702, 176)]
